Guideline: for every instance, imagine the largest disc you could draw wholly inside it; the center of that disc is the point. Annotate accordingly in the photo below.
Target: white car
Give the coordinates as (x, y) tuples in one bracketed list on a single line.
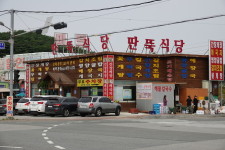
[(22, 106), (37, 103)]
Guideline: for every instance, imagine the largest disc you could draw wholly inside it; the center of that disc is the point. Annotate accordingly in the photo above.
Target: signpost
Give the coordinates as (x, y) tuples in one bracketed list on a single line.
[(2, 45), (9, 105)]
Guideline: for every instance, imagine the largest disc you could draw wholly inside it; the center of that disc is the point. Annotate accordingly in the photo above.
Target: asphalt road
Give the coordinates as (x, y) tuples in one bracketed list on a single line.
[(112, 133)]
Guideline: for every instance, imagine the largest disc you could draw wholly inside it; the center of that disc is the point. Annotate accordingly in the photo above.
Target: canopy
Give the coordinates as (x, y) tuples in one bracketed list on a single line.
[(4, 90)]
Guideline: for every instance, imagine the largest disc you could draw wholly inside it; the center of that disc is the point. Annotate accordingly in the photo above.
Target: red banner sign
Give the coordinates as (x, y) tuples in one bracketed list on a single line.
[(216, 71), (108, 76)]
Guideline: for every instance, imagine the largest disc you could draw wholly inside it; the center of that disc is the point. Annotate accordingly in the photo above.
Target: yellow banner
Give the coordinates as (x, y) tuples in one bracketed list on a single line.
[(90, 82)]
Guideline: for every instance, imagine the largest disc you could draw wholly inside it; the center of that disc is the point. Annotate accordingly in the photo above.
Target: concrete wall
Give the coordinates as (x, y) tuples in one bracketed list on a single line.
[(158, 92)]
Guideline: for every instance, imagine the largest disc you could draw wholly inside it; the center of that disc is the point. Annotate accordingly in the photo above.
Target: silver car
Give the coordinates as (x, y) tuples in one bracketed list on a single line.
[(97, 105)]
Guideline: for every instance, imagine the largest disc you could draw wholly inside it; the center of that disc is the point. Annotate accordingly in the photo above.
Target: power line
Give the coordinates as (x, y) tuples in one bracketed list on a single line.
[(92, 10), (160, 25), (4, 14), (108, 13)]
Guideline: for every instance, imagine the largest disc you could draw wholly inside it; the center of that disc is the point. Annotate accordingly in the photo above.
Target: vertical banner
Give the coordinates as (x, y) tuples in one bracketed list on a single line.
[(9, 105), (105, 76), (108, 76), (216, 71), (27, 91)]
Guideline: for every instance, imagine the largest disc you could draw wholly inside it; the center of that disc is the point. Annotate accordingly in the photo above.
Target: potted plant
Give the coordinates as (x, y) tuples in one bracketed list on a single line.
[(183, 109)]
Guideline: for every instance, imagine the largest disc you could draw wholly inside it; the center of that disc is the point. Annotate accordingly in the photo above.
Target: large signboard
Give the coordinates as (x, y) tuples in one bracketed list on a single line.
[(216, 71)]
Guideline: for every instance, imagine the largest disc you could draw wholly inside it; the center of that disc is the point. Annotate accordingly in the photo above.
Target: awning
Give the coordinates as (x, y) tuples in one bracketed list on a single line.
[(4, 90), (60, 78), (21, 94)]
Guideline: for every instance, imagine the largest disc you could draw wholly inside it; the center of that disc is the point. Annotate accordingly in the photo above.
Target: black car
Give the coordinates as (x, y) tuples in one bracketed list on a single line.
[(65, 106), (3, 105)]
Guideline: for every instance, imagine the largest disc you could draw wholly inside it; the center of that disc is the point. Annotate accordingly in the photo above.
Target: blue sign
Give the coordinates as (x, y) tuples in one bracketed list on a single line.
[(2, 45)]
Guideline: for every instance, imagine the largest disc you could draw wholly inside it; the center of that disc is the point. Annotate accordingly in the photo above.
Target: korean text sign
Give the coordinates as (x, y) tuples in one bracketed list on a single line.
[(216, 71), (9, 105)]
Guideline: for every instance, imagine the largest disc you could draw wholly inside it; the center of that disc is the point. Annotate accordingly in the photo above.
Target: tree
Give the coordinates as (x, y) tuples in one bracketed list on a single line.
[(27, 43), (33, 43)]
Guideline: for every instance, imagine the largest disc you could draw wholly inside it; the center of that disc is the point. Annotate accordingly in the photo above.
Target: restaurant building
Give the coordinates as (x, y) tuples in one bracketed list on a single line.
[(123, 77)]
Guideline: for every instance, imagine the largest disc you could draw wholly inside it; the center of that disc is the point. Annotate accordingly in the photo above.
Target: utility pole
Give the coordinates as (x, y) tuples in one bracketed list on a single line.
[(11, 41)]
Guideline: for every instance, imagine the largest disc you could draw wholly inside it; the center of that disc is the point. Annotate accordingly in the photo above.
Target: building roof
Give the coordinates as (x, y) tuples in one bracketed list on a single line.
[(60, 78), (117, 53)]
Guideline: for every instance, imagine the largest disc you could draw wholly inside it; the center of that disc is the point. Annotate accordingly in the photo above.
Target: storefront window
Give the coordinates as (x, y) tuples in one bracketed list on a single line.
[(91, 91), (129, 93)]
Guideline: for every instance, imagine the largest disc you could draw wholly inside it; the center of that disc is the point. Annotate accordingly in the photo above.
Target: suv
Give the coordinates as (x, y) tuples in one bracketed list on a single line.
[(37, 103), (22, 106), (98, 105), (63, 106)]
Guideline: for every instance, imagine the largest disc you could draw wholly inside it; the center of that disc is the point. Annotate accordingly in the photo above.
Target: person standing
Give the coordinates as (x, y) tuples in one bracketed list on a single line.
[(189, 101), (195, 101), (164, 101)]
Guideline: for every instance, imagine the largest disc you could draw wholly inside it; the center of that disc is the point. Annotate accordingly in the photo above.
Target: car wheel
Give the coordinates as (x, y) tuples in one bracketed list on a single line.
[(117, 112), (82, 115), (98, 112), (66, 113)]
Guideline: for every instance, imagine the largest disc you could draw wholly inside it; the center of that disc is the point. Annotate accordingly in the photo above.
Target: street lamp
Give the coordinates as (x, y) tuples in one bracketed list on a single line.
[(11, 41), (2, 24), (56, 26)]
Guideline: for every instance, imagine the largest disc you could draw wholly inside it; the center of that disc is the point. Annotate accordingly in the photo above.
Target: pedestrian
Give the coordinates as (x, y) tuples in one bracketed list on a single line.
[(189, 101), (195, 101), (164, 101)]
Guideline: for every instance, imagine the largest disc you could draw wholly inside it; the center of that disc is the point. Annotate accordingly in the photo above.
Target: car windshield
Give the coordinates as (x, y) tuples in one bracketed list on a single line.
[(2, 101), (23, 100), (43, 98), (85, 99)]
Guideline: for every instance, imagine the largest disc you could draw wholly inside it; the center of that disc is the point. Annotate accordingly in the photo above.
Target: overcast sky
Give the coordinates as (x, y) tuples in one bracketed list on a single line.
[(195, 34)]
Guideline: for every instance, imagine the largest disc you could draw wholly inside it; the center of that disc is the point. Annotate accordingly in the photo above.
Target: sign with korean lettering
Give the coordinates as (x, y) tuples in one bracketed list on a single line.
[(89, 82), (27, 91), (79, 39), (2, 45), (216, 71), (139, 68), (9, 105), (144, 91), (108, 76), (18, 61)]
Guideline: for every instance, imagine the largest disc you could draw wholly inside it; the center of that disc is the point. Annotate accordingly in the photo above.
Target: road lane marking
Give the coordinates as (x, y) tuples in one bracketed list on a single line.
[(11, 147), (43, 134), (50, 142), (59, 147)]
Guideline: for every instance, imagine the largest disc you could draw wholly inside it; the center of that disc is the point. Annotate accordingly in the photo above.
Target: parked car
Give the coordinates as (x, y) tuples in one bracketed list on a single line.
[(3, 105), (22, 106), (65, 106), (98, 105), (37, 103)]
